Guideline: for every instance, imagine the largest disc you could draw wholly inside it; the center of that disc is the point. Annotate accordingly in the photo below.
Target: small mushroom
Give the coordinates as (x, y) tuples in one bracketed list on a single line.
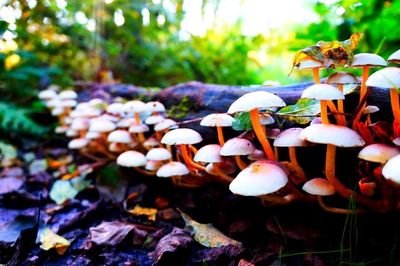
[(238, 147), (218, 121)]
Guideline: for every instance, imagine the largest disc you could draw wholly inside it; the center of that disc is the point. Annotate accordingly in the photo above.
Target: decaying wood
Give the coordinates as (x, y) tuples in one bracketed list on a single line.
[(208, 98)]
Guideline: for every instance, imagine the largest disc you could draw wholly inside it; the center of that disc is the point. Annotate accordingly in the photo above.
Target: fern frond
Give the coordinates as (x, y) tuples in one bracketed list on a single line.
[(16, 119)]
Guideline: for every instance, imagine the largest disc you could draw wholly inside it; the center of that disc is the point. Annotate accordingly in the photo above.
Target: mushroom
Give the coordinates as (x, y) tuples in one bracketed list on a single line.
[(164, 126), (81, 125), (184, 137), (158, 154), (366, 61), (290, 138), (116, 109), (252, 102), (155, 107), (368, 110), (389, 78), (78, 143), (176, 170), (211, 154), (310, 63), (338, 136), (323, 93), (121, 138), (218, 121), (339, 79), (133, 159), (237, 147), (150, 143), (257, 155), (68, 95), (138, 130), (154, 119), (260, 179), (46, 95), (395, 57), (321, 187), (391, 170)]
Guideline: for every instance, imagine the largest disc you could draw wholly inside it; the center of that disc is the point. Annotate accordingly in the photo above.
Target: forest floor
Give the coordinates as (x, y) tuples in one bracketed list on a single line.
[(98, 224)]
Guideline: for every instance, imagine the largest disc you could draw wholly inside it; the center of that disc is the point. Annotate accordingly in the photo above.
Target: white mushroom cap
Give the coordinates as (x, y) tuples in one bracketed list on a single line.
[(72, 133), (154, 119), (172, 169), (89, 112), (151, 142), (322, 92), (181, 136), (47, 94), (92, 135), (257, 155), (80, 124), (68, 103), (391, 170), (55, 102), (266, 119), (396, 141), (135, 106), (139, 128), (78, 143), (115, 147), (61, 129), (101, 125), (259, 178), (237, 146), (209, 154), (290, 138), (68, 95), (316, 120), (367, 59), (386, 78), (378, 153), (332, 134), (96, 102), (116, 109), (225, 167), (119, 136), (395, 57), (158, 154), (370, 109), (319, 187), (309, 63), (153, 165), (109, 117), (57, 111), (155, 106), (131, 159), (214, 120), (126, 122), (166, 124), (255, 100), (342, 77)]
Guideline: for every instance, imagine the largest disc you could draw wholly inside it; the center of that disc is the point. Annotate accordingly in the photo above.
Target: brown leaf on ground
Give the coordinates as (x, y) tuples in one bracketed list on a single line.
[(170, 244), (113, 233)]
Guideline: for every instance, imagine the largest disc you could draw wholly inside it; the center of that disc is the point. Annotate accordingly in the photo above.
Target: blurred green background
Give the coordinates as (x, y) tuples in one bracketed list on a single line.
[(158, 43)]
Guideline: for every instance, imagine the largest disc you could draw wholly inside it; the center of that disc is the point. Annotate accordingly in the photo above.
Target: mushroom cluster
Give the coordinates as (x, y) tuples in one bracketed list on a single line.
[(138, 135)]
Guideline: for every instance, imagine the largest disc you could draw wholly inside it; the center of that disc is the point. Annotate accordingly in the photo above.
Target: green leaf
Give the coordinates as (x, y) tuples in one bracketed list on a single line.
[(63, 190), (242, 122), (302, 112)]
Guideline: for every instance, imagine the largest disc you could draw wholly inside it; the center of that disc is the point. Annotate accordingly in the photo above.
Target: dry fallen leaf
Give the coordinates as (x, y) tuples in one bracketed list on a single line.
[(112, 233), (174, 242), (50, 240), (149, 212), (207, 235)]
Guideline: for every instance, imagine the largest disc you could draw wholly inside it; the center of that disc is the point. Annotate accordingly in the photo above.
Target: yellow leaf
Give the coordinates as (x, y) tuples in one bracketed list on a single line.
[(50, 240), (149, 212), (207, 235)]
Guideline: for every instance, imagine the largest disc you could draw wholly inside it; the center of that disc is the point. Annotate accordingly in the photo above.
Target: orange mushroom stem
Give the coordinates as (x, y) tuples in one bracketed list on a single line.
[(394, 100), (295, 164), (324, 112), (221, 138), (258, 129), (226, 178), (316, 75), (377, 205), (337, 210), (342, 117), (363, 89), (242, 165), (188, 160)]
